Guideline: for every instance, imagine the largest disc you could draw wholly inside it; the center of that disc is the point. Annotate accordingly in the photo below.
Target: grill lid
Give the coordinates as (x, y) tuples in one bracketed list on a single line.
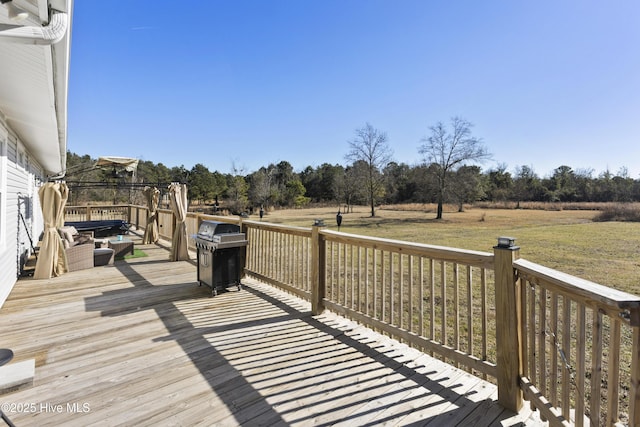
[(208, 229)]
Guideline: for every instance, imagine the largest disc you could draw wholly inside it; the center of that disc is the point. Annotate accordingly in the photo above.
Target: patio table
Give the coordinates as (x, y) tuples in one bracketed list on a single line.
[(121, 247)]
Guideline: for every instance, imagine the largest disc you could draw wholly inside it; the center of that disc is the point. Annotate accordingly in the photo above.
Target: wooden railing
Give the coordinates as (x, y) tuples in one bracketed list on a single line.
[(568, 346), (476, 310), (167, 223), (280, 255), (95, 213), (580, 347), (433, 298)]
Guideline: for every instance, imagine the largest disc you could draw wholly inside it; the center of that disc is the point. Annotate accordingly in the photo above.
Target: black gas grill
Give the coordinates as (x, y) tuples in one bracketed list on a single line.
[(219, 246)]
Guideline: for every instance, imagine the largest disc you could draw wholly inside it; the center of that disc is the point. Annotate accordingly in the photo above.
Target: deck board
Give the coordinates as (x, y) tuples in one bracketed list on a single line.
[(140, 343)]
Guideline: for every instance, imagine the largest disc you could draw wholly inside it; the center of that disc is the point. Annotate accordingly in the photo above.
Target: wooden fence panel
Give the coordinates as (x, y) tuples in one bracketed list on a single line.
[(97, 213), (428, 296), (280, 255), (579, 351)]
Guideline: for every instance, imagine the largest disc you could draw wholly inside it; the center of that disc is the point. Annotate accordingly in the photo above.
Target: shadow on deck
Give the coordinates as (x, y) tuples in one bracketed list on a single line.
[(139, 343)]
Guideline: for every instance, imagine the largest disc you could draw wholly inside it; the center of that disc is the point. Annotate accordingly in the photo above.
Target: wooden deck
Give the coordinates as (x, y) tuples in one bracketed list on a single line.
[(139, 343)]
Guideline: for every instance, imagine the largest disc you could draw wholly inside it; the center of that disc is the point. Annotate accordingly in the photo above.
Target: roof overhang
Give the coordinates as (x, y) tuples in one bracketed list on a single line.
[(34, 77)]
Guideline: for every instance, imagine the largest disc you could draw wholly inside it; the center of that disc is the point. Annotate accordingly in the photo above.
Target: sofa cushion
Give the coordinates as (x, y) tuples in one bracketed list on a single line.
[(71, 237), (69, 228), (102, 256), (82, 239), (67, 233)]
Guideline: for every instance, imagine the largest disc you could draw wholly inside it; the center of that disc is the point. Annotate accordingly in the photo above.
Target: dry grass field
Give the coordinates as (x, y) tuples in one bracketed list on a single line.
[(566, 240)]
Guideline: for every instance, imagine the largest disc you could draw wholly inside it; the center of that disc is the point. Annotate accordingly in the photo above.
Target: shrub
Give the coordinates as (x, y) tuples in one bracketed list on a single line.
[(619, 212)]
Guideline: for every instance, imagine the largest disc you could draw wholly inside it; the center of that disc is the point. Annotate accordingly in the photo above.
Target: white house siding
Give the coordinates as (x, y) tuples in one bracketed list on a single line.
[(20, 176)]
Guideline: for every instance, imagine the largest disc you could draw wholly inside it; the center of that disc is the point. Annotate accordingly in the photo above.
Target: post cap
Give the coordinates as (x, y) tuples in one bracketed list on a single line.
[(506, 242)]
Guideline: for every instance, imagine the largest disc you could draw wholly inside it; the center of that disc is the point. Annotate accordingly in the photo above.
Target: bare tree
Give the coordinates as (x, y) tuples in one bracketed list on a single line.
[(370, 146), (261, 188), (450, 149)]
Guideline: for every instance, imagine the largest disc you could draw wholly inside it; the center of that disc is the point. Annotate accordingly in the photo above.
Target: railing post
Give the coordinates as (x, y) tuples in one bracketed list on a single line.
[(88, 215), (243, 250), (198, 221), (634, 391), (508, 334), (318, 269)]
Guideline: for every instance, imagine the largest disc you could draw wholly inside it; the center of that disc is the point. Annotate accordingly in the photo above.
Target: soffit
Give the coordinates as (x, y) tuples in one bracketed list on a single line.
[(33, 89)]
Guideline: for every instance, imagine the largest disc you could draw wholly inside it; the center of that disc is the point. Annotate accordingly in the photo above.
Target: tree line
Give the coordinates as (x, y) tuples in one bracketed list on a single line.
[(278, 185), (447, 173)]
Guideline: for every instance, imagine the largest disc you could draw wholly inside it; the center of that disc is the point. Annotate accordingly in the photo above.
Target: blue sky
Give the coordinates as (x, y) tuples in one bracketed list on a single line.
[(248, 83)]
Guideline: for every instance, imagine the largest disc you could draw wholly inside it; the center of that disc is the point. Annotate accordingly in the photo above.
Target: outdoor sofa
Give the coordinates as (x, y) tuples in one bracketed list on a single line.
[(80, 249)]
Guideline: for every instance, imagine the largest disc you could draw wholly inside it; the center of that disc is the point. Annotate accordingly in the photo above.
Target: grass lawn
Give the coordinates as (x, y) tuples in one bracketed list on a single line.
[(566, 240), (137, 253)]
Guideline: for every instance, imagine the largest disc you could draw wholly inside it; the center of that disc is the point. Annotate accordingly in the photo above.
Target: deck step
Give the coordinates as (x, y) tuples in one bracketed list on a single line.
[(29, 267), (17, 376)]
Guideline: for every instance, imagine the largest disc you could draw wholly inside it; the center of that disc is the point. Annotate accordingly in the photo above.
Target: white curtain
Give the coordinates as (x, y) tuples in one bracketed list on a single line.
[(51, 258), (178, 199)]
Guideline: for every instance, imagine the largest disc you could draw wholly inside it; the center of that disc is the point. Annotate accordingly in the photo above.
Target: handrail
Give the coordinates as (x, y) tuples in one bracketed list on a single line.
[(462, 256), (610, 300), (289, 229)]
